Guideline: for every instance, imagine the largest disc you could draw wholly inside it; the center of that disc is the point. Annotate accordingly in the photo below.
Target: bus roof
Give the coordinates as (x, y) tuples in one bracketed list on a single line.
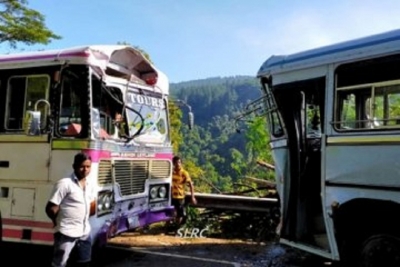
[(118, 60), (365, 47)]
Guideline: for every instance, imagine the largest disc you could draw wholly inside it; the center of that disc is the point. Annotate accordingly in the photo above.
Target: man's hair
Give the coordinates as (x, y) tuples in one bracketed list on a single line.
[(81, 157), (175, 159)]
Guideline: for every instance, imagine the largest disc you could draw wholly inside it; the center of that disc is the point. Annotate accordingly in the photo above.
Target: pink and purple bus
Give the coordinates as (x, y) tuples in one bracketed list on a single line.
[(108, 101)]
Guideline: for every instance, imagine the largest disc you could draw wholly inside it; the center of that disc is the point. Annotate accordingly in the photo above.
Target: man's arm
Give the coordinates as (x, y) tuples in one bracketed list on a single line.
[(52, 212), (93, 201), (92, 208), (191, 186)]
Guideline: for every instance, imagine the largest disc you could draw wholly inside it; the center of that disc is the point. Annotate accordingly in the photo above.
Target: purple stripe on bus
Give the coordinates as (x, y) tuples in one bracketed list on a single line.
[(36, 57)]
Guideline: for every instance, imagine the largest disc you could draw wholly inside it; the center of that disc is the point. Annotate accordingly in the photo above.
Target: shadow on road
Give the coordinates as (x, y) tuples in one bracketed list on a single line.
[(13, 254)]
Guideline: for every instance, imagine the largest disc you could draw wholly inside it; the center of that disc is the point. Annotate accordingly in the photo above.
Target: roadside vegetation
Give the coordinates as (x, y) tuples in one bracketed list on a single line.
[(225, 153)]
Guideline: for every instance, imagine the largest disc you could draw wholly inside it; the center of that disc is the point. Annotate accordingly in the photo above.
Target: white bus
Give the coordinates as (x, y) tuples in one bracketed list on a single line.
[(108, 101), (334, 122)]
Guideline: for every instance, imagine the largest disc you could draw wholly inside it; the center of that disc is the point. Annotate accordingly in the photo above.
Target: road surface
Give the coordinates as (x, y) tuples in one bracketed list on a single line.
[(182, 253), (36, 255)]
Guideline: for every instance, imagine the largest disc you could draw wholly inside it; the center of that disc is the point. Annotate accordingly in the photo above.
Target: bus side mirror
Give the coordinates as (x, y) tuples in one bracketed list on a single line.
[(191, 120), (32, 122)]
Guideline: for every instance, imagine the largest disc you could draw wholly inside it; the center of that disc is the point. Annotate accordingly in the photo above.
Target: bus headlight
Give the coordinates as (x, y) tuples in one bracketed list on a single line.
[(104, 202), (153, 192), (107, 202), (162, 191), (159, 192)]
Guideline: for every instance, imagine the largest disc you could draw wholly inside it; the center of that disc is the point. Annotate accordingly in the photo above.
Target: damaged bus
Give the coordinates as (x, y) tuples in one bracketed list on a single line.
[(108, 101), (333, 117)]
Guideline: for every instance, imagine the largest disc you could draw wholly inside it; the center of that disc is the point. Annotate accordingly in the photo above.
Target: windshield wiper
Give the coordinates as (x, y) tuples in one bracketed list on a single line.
[(137, 133)]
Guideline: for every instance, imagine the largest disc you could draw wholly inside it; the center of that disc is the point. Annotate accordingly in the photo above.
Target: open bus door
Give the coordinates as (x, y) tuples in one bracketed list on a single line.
[(294, 114)]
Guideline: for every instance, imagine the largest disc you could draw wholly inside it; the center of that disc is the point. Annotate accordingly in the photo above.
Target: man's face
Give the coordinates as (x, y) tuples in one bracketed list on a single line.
[(82, 170), (178, 164)]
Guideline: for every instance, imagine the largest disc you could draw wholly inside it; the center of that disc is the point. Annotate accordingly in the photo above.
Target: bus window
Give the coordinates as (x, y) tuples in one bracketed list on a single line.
[(70, 115), (276, 125), (374, 107), (23, 93), (108, 101), (387, 105), (313, 121), (347, 102)]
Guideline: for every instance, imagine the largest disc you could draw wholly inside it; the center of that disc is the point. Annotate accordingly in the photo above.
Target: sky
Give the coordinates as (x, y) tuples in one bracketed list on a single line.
[(199, 39)]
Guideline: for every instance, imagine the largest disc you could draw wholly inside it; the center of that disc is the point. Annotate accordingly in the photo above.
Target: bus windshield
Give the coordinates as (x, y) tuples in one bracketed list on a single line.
[(147, 118)]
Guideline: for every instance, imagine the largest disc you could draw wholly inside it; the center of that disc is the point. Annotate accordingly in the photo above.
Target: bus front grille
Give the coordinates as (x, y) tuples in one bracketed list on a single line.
[(131, 175), (160, 169), (105, 172)]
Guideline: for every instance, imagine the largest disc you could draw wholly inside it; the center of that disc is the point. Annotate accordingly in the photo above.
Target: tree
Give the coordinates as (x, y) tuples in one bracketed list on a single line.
[(18, 23), (175, 117), (257, 149)]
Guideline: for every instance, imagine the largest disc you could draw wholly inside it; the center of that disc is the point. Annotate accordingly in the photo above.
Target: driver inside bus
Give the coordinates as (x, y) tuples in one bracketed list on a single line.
[(113, 119)]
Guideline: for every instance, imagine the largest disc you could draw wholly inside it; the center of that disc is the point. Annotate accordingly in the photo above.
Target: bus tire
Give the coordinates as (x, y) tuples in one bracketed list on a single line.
[(380, 250)]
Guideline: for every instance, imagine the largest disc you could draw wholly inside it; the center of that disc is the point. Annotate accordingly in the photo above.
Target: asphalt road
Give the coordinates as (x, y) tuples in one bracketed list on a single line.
[(34, 255)]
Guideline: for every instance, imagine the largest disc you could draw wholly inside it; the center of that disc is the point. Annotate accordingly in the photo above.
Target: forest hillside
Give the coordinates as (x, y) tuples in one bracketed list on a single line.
[(214, 151)]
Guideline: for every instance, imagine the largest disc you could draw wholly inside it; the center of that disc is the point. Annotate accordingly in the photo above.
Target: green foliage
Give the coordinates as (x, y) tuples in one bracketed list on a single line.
[(218, 158), (193, 219), (245, 165), (18, 23), (214, 146), (238, 162), (175, 118), (258, 147), (214, 97)]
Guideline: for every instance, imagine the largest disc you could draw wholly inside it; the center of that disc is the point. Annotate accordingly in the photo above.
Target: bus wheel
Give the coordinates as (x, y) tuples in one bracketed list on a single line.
[(381, 250)]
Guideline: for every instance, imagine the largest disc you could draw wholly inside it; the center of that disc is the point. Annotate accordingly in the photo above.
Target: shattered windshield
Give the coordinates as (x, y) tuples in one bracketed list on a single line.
[(147, 117)]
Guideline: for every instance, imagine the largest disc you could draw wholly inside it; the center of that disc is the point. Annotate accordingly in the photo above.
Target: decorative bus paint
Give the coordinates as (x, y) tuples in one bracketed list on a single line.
[(107, 101), (333, 116)]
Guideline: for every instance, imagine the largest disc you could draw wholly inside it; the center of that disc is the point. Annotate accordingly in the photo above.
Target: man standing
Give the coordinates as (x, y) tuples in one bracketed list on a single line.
[(180, 178), (69, 207)]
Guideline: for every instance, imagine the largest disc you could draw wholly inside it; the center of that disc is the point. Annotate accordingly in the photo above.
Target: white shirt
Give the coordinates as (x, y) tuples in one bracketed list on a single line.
[(74, 202)]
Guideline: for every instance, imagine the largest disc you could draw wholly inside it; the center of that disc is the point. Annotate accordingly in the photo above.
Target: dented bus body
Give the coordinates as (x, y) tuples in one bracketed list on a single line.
[(334, 121), (107, 101)]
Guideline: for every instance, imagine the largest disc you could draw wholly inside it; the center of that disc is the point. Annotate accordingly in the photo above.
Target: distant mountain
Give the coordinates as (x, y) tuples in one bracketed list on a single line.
[(207, 81), (216, 96), (215, 103)]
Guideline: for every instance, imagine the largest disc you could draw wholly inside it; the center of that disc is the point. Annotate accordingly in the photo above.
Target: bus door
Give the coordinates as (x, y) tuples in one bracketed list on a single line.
[(25, 151), (296, 144)]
